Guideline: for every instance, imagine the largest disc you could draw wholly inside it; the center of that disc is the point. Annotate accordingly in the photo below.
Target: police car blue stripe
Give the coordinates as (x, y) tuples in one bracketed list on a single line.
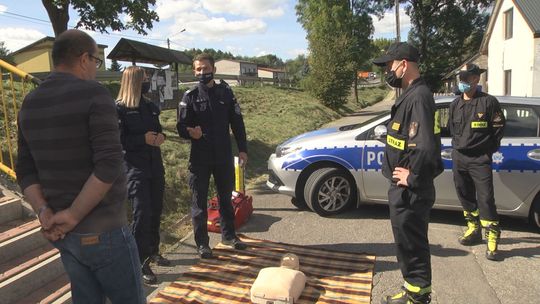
[(350, 158)]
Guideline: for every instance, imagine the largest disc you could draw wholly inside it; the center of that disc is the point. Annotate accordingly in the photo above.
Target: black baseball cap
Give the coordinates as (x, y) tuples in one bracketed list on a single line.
[(470, 69), (398, 51)]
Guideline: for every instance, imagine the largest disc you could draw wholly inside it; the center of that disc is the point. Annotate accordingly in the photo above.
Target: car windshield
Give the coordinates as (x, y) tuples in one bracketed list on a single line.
[(359, 125)]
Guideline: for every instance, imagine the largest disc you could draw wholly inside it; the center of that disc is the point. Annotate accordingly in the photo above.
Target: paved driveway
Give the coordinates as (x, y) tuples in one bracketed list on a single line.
[(460, 274)]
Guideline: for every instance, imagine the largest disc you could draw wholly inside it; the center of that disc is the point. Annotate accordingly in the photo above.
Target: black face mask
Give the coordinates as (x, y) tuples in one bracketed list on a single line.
[(206, 78), (145, 87), (392, 79)]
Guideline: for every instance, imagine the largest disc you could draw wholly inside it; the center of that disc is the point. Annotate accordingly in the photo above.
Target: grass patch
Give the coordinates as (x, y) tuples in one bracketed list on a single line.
[(271, 115)]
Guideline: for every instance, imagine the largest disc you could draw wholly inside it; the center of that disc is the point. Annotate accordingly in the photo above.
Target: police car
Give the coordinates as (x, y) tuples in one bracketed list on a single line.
[(330, 170)]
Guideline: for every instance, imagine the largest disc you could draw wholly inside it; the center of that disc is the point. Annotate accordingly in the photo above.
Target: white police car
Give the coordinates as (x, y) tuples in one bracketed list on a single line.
[(332, 169)]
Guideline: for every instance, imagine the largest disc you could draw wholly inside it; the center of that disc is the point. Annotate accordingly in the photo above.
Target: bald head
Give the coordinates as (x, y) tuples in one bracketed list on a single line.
[(70, 45)]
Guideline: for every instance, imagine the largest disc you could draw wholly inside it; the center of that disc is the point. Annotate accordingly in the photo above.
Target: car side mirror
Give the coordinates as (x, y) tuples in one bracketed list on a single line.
[(379, 132)]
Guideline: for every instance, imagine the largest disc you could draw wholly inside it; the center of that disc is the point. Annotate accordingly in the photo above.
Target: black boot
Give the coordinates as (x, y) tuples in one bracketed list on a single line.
[(407, 297), (160, 260), (473, 234), (493, 236), (148, 275)]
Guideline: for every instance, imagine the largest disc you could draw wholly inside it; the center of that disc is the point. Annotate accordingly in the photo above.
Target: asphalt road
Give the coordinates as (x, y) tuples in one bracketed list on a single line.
[(460, 274)]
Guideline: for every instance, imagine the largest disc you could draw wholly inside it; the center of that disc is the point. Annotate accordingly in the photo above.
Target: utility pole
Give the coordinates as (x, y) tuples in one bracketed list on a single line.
[(398, 35), (169, 40), (398, 38)]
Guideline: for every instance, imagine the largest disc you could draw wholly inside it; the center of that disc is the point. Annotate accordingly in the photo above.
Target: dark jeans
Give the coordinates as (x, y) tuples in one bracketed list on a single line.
[(146, 196), (198, 181), (102, 265), (473, 177), (409, 215)]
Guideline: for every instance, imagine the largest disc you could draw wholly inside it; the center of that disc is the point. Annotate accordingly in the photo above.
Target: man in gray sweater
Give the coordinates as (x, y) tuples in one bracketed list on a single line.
[(70, 169)]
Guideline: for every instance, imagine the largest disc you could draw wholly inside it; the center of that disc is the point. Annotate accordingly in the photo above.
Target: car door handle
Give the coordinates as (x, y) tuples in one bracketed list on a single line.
[(534, 154), (446, 154)]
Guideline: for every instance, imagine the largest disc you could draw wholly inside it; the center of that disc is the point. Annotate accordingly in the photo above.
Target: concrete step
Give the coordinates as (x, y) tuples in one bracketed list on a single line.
[(31, 279), (20, 240), (54, 292), (23, 262), (10, 209)]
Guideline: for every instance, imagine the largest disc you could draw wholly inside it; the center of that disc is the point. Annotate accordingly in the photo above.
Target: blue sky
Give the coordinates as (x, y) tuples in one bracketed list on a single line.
[(242, 27)]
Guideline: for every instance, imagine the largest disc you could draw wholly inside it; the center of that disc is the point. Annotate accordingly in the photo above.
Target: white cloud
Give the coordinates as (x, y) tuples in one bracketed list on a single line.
[(262, 53), (3, 8), (296, 52), (250, 8), (16, 38), (387, 25), (171, 8), (215, 28)]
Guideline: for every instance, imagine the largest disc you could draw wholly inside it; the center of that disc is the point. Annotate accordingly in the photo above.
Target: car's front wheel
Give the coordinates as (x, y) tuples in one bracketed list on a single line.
[(329, 191)]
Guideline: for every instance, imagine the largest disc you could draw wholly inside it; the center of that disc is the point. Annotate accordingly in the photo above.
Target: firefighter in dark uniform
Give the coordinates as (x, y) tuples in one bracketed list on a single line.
[(141, 135), (412, 160), (204, 116), (476, 123)]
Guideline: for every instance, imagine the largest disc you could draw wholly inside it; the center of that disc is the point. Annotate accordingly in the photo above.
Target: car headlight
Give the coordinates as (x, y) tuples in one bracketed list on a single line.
[(284, 150)]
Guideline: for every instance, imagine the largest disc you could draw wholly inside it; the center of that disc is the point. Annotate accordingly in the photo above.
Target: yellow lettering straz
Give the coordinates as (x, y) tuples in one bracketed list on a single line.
[(394, 142), (479, 124)]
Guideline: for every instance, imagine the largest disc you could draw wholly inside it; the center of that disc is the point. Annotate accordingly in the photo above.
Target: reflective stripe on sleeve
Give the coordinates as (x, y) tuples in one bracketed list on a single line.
[(394, 142)]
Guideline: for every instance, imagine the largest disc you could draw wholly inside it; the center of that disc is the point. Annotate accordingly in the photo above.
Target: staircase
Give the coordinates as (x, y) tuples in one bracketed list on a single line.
[(30, 267)]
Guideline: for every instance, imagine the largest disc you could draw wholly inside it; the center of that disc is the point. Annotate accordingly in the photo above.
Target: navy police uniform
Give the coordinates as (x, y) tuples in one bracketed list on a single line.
[(145, 173), (214, 110), (477, 127), (413, 142)]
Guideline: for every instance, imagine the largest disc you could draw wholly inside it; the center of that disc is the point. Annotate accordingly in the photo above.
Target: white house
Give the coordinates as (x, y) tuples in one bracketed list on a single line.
[(271, 73), (236, 67), (512, 44)]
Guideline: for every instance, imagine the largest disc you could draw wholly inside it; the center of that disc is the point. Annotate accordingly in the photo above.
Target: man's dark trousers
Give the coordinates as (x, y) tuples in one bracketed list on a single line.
[(409, 214), (198, 182), (473, 177)]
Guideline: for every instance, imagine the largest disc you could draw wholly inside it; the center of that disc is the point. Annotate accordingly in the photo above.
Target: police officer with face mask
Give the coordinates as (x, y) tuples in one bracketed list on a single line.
[(476, 123), (411, 162), (204, 117)]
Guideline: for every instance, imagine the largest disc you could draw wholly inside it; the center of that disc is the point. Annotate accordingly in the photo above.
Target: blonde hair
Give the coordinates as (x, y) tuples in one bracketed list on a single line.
[(131, 86)]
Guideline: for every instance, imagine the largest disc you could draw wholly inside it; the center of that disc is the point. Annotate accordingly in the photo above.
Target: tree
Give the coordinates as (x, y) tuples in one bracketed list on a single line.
[(338, 34), (115, 66), (99, 15), (446, 32), (296, 68), (5, 53)]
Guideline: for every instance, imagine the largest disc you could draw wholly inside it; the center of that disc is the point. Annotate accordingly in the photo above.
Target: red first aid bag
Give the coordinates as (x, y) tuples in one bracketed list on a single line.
[(242, 204), (242, 207)]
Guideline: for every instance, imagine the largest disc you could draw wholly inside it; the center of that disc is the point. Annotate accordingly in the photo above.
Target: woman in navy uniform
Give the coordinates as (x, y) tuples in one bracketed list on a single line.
[(141, 135)]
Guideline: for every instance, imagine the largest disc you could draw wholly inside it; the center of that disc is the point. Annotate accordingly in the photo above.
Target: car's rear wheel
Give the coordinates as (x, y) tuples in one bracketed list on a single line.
[(329, 191)]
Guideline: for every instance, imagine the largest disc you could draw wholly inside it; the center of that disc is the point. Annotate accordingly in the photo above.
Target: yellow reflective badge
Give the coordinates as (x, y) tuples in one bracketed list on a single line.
[(479, 124), (394, 142), (395, 126), (437, 123)]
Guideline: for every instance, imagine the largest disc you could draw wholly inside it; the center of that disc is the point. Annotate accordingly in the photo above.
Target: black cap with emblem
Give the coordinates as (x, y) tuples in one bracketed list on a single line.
[(398, 51), (470, 69)]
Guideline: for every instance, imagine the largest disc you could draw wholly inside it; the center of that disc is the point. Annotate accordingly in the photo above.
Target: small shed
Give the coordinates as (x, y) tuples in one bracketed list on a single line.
[(164, 84)]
